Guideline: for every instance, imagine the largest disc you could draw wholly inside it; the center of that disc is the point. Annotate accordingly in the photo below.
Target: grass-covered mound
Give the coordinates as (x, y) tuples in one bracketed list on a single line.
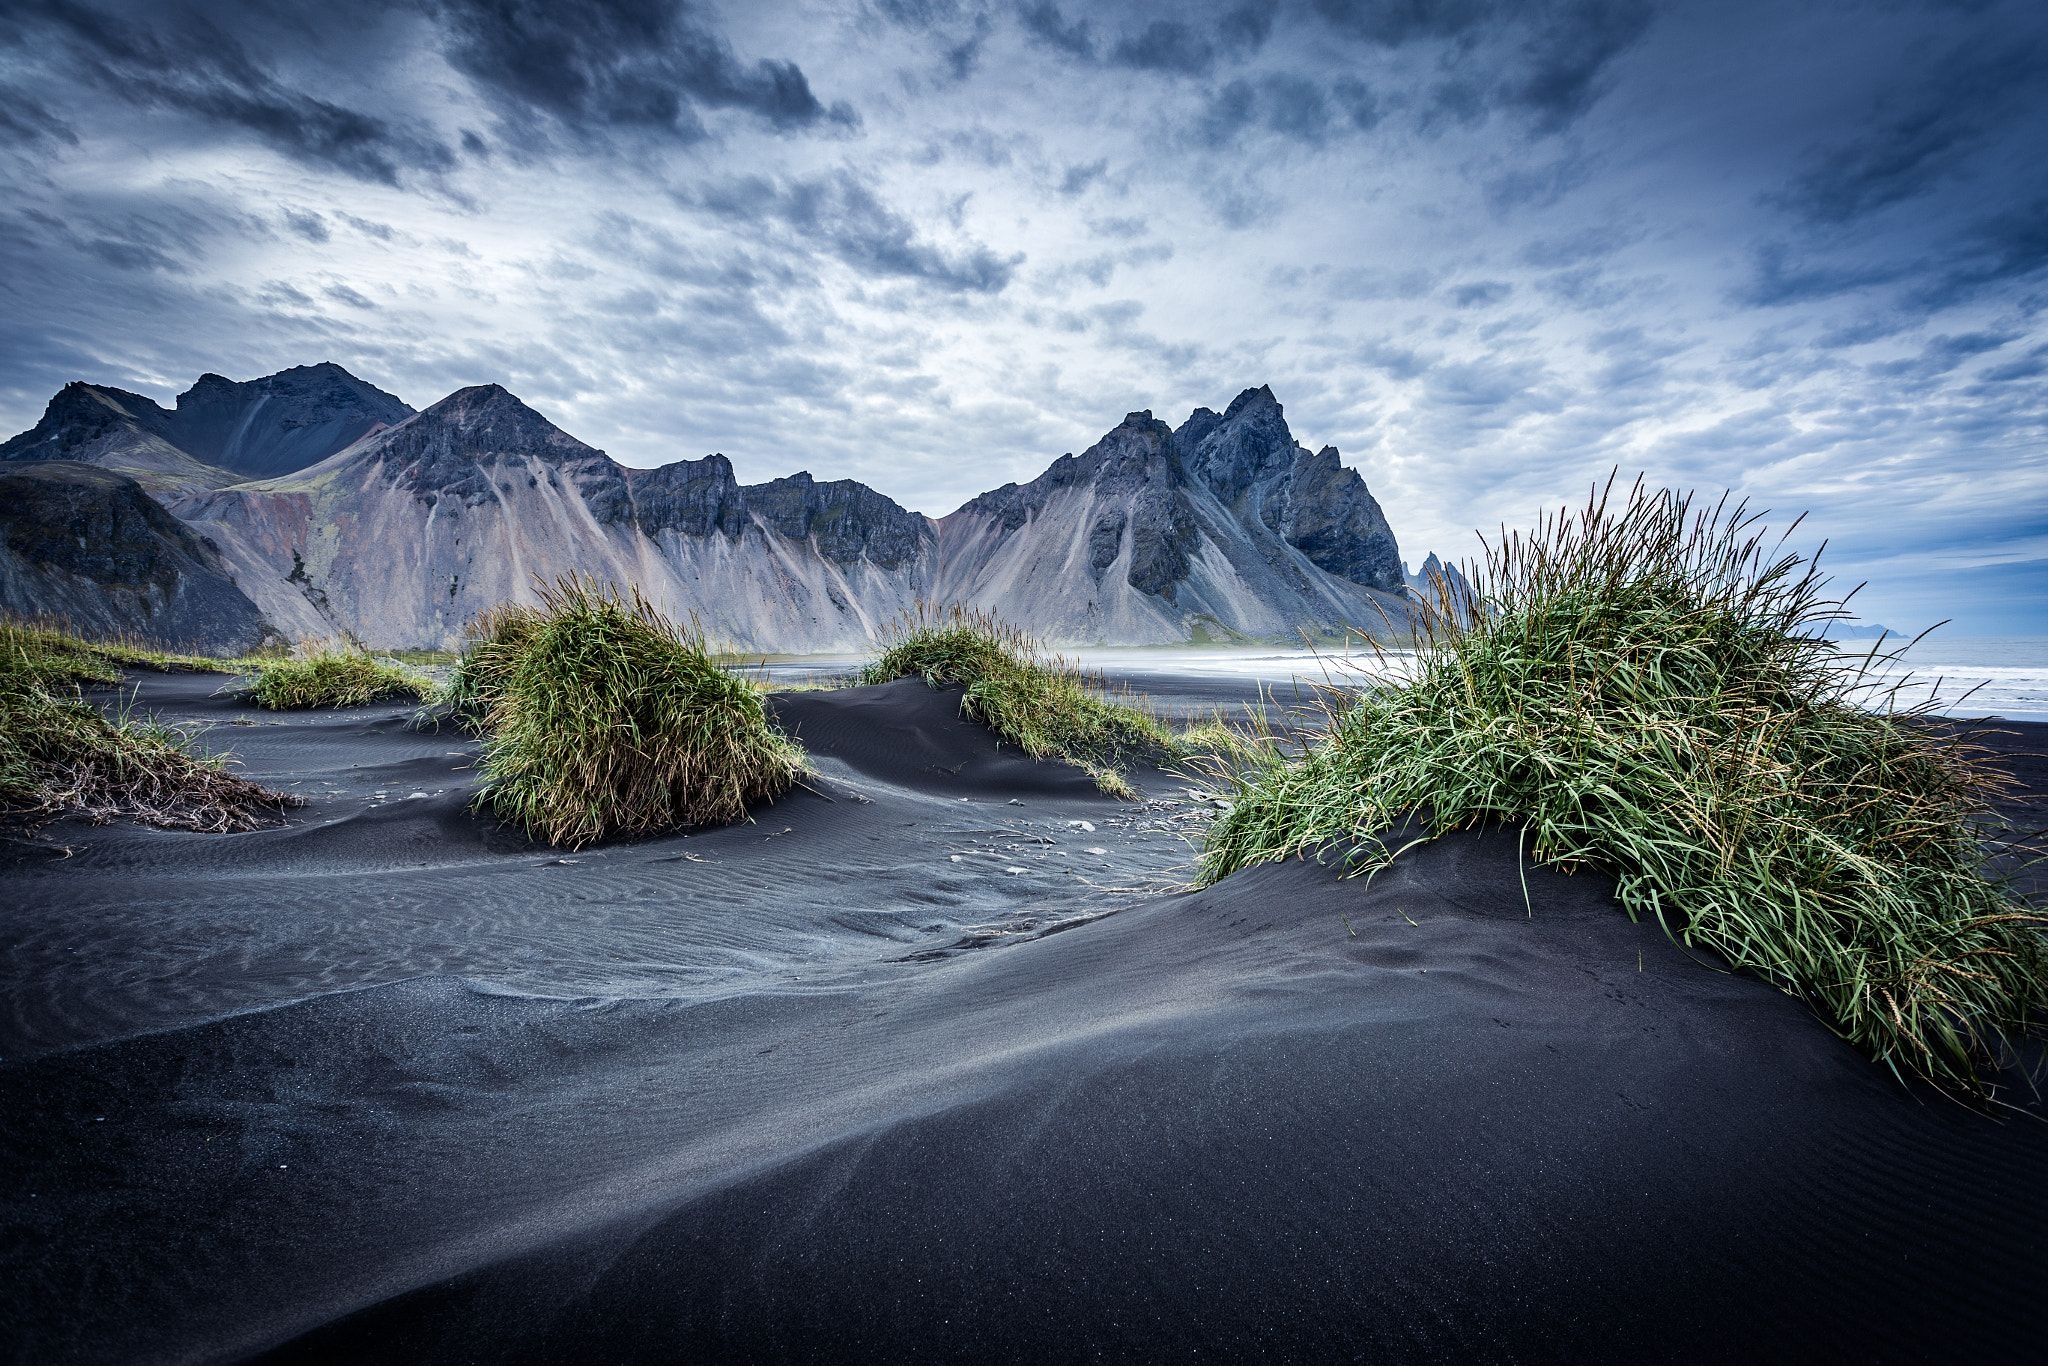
[(101, 661), (1644, 687), (1041, 704), (605, 718), (60, 756), (493, 643), (334, 678)]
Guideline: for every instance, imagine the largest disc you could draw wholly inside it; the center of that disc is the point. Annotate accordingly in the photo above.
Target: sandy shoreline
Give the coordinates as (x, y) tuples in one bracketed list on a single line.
[(841, 1084)]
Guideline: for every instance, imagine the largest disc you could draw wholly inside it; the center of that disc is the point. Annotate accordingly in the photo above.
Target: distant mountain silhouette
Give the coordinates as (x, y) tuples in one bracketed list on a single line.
[(336, 510)]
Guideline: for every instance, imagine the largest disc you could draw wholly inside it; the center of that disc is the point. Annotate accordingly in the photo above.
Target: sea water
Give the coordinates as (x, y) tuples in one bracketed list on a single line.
[(1962, 675), (1959, 676)]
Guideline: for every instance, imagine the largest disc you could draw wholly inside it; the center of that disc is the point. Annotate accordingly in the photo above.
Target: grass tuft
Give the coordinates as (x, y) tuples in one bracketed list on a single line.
[(333, 678), (1039, 703), (1644, 686), (492, 645), (61, 756), (604, 718)]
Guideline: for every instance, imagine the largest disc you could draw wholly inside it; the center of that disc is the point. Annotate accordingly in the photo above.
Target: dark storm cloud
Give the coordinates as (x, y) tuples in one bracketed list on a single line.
[(1481, 294), (2008, 247), (1082, 174), (838, 214), (1287, 105), (1165, 45), (169, 233), (1537, 184), (591, 67), (1227, 113), (964, 55), (24, 119), (1547, 60), (344, 294), (1044, 21), (1359, 101), (1905, 147), (1568, 56), (307, 224), (2029, 366), (383, 232), (1395, 22), (2005, 248), (1189, 44), (177, 59), (1941, 356)]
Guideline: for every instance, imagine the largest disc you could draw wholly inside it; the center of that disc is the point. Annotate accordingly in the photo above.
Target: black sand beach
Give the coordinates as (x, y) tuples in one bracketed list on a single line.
[(919, 1066)]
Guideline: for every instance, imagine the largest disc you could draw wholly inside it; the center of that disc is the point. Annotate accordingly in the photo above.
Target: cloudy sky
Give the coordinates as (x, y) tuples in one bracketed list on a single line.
[(1490, 249)]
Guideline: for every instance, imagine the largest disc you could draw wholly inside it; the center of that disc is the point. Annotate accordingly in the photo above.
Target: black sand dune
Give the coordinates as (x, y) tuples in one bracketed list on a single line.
[(390, 1085)]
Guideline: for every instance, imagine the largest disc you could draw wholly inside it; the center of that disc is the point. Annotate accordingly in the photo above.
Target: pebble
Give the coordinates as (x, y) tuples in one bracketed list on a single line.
[(1088, 826)]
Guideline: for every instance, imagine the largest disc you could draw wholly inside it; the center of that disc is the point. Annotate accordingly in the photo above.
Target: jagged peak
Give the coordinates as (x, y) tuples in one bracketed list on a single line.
[(716, 464), (323, 382), (475, 394), (1261, 397), (481, 422), (81, 396), (486, 405)]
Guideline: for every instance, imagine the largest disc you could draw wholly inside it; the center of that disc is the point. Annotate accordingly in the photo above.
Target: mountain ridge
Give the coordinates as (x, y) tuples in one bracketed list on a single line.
[(1224, 527)]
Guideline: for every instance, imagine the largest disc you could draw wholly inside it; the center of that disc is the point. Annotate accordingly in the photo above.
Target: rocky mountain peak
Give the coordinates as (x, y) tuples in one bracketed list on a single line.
[(220, 429), (687, 497), (1260, 397), (489, 419), (847, 521), (78, 415), (1249, 444), (449, 448)]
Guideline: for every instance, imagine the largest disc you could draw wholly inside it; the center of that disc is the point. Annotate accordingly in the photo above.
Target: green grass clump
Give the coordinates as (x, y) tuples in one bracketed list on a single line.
[(1041, 704), (333, 678), (60, 756), (59, 653), (494, 642), (1644, 687), (605, 718)]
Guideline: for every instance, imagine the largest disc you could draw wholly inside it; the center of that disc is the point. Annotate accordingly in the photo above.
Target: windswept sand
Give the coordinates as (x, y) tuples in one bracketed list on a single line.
[(389, 1084)]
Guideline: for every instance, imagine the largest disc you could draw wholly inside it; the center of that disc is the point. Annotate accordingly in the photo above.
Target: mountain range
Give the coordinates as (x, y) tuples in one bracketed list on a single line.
[(309, 504)]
